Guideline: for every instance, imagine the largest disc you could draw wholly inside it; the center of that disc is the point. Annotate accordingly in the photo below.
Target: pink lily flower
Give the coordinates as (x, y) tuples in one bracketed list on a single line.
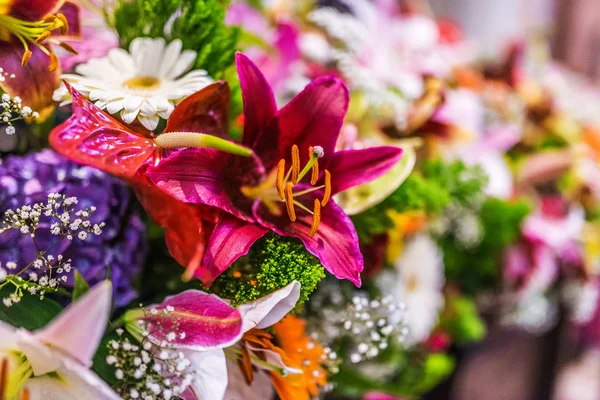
[(53, 363), (206, 325), (287, 186), (28, 28)]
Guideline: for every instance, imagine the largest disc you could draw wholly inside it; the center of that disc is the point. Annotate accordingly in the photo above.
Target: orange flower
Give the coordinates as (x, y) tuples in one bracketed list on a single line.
[(288, 387), (303, 351)]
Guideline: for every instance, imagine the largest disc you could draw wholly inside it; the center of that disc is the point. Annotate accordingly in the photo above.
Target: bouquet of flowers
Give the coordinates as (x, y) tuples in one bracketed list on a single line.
[(207, 199)]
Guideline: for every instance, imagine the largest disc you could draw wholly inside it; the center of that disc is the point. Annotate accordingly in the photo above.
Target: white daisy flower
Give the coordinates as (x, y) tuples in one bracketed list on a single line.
[(145, 83), (417, 282)]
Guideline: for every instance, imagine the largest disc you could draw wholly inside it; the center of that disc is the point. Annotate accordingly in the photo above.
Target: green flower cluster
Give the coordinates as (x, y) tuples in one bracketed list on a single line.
[(198, 23), (272, 263), (438, 184)]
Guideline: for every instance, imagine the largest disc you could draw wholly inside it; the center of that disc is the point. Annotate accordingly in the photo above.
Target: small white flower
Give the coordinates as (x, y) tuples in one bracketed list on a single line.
[(10, 130), (2, 274), (145, 83)]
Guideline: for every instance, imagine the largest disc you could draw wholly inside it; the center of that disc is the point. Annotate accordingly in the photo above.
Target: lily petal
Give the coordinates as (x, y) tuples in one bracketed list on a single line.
[(34, 10), (186, 225), (350, 168), (73, 382), (210, 177), (231, 239), (211, 379), (259, 102), (335, 243), (237, 389), (208, 321), (205, 111), (33, 83), (91, 137), (313, 118), (270, 309), (77, 331)]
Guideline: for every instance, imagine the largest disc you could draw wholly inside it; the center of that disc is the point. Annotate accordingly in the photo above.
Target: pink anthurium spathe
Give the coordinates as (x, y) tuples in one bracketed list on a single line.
[(204, 325), (53, 363), (287, 186), (92, 137)]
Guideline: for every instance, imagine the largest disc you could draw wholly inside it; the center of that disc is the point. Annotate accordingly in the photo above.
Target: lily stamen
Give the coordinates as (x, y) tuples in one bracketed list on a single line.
[(316, 153), (280, 177), (327, 194), (289, 201), (315, 168), (306, 191), (36, 33), (316, 218), (303, 207), (295, 164)]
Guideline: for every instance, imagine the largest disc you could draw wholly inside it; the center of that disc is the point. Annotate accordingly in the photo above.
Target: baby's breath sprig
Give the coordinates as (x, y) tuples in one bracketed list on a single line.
[(12, 110), (148, 370), (363, 327), (46, 272)]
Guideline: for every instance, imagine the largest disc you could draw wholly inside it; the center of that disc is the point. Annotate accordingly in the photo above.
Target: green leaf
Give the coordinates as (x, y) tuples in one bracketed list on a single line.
[(100, 366), (462, 320), (81, 286), (30, 313)]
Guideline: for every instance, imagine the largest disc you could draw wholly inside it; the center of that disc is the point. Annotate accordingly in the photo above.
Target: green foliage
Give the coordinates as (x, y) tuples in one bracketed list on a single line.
[(462, 320), (432, 189), (30, 313), (479, 266), (200, 26), (272, 263), (80, 287)]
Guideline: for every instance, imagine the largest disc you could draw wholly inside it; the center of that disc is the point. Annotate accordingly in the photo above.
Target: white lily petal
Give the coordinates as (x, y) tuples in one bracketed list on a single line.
[(210, 382), (237, 389), (77, 331), (8, 337), (74, 382), (43, 360), (273, 358), (268, 310)]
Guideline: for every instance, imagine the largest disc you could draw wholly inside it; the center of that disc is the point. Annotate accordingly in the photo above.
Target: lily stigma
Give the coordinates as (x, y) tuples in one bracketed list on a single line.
[(34, 33), (282, 189)]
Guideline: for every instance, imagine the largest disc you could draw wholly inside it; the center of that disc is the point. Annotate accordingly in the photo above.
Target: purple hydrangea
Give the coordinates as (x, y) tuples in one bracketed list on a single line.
[(121, 246)]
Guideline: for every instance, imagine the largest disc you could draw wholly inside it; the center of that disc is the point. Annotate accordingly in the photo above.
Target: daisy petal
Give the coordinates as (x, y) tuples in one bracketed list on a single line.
[(133, 103), (183, 64), (149, 122), (170, 57)]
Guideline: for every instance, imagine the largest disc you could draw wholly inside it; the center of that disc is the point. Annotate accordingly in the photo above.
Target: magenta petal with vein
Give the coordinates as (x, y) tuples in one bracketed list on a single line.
[(207, 321), (231, 239), (351, 168), (259, 102), (209, 177), (335, 243), (313, 118)]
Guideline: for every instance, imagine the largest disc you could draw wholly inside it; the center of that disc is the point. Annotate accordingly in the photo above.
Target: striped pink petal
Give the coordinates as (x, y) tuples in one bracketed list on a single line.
[(194, 320)]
